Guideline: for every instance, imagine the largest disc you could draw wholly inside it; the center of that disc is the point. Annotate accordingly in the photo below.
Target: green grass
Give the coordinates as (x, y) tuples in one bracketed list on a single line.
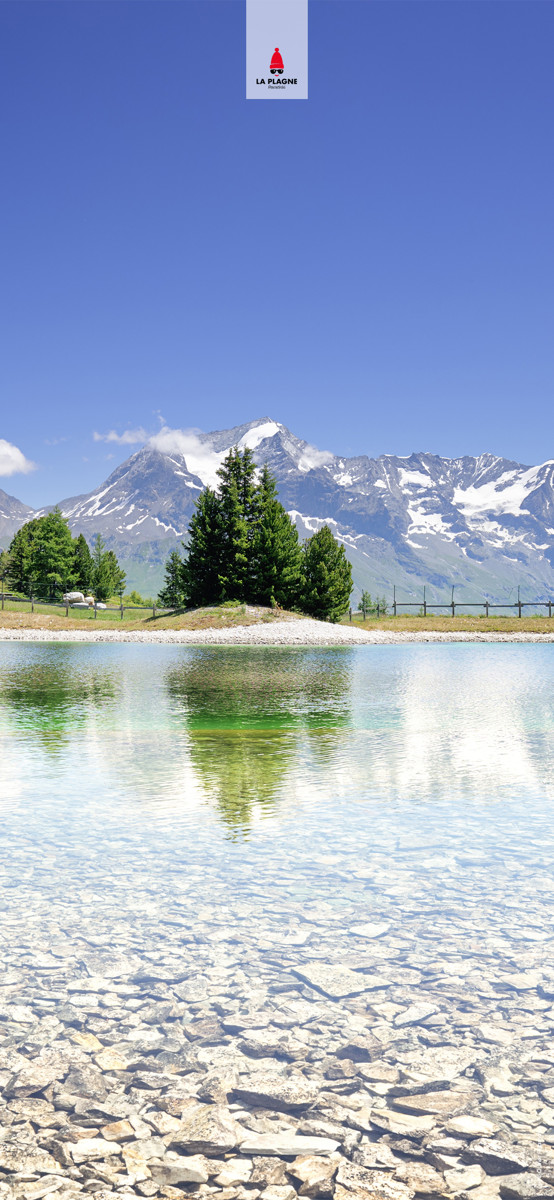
[(24, 607)]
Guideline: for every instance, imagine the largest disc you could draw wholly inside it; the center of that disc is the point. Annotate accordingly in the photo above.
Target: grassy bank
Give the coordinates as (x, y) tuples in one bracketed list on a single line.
[(458, 624), (217, 617)]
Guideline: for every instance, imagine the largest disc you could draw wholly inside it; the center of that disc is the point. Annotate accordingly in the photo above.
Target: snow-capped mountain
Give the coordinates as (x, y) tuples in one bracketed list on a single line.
[(13, 514), (482, 524)]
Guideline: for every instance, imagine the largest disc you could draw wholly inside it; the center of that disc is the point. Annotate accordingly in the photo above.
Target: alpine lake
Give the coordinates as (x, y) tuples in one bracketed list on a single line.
[(277, 921)]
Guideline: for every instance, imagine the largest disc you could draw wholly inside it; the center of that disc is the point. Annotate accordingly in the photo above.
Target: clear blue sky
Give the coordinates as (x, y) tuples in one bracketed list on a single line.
[(374, 266)]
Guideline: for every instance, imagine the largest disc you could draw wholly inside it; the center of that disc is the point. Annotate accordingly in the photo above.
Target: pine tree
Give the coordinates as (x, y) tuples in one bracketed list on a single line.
[(83, 567), (117, 574), (327, 577), (277, 555), (20, 551), (5, 567), (200, 572), (237, 511), (108, 579), (171, 595)]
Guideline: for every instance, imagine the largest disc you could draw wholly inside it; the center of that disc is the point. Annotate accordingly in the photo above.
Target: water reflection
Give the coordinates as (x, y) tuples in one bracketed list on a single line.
[(246, 715), (51, 696), (226, 817), (173, 734)]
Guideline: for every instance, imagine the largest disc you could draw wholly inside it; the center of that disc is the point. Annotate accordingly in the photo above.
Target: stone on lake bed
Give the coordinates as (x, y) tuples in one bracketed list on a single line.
[(110, 1060), (421, 1178), (180, 1169), (236, 1170), (460, 1179), (495, 1034), (207, 1129), (89, 1149), (353, 1180), (524, 981), (443, 1104), (526, 1186), (376, 1156), (276, 1091), (496, 1157), (118, 1131), (402, 1124), (41, 1187), (315, 1174), (285, 1145), (32, 1078), (278, 1191), (28, 1159), (337, 982), (469, 1126), (369, 930), (414, 1014), (88, 1041), (360, 1049), (142, 1150)]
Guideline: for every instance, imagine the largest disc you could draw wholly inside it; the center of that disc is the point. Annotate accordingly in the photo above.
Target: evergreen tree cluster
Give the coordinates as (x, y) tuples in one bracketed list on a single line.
[(45, 561), (243, 546)]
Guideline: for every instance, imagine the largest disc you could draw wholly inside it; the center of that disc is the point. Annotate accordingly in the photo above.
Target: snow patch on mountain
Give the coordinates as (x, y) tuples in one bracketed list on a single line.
[(506, 494), (252, 439), (415, 478)]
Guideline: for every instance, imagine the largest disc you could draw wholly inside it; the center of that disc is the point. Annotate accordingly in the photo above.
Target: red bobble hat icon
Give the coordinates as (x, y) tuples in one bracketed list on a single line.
[(276, 67)]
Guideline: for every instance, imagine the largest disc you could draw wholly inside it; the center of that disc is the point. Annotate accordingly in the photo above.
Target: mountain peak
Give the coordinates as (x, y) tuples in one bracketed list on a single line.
[(482, 523)]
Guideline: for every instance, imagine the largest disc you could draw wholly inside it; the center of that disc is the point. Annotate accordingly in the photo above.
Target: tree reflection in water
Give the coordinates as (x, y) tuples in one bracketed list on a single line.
[(52, 696), (247, 713)]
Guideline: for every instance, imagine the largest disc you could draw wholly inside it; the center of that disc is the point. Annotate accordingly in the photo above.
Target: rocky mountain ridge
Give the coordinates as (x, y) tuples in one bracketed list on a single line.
[(482, 524)]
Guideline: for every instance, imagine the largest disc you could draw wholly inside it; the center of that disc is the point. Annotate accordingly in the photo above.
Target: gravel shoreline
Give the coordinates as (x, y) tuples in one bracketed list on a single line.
[(283, 633)]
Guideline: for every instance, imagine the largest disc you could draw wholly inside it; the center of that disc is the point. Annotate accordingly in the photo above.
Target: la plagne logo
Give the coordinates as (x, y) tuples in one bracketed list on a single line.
[(276, 69)]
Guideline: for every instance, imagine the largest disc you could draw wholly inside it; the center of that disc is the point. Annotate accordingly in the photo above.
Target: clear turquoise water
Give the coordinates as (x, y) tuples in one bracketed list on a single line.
[(249, 792), (248, 744)]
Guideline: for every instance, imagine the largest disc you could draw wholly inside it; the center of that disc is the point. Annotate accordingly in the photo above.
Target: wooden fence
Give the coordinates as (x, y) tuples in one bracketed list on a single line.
[(120, 608), (424, 606)]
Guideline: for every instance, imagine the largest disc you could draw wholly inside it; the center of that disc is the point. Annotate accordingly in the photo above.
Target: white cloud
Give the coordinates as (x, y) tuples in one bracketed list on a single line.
[(129, 437), (200, 458), (311, 458), (13, 461)]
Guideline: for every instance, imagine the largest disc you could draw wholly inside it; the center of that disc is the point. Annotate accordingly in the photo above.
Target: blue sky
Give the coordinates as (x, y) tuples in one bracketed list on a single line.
[(374, 267)]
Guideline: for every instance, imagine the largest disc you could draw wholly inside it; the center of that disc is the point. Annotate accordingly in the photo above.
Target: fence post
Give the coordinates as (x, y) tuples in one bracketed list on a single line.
[(378, 611), (153, 610), (394, 599), (121, 611), (549, 607), (350, 614), (32, 603), (424, 603), (2, 593), (486, 608), (67, 608), (95, 611)]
